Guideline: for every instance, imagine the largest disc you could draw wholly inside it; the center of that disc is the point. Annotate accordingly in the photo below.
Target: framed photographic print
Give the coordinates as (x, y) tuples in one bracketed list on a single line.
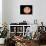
[(25, 9)]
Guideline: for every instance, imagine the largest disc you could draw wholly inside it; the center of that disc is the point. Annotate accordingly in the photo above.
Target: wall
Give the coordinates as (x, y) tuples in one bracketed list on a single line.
[(16, 11), (12, 11), (0, 13), (4, 11)]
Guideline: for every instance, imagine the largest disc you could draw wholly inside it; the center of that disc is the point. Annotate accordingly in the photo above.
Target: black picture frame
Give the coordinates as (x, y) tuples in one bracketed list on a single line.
[(28, 11)]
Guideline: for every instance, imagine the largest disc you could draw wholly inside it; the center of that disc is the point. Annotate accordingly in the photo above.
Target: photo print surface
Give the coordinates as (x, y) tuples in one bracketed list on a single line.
[(25, 9)]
